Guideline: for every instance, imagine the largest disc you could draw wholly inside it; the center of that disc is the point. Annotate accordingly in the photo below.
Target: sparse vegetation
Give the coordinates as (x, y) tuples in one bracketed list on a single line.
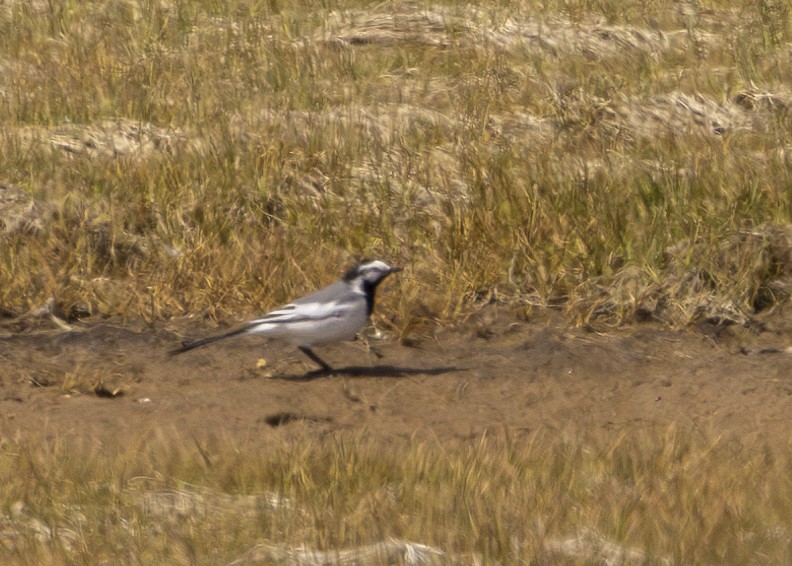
[(654, 499), (616, 160)]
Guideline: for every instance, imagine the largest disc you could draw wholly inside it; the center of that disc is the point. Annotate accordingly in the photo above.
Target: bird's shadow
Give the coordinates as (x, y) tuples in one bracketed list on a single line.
[(371, 371)]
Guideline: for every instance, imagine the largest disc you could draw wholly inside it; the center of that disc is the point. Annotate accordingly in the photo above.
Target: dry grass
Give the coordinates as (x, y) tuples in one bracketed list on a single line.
[(652, 499), (617, 160), (183, 157)]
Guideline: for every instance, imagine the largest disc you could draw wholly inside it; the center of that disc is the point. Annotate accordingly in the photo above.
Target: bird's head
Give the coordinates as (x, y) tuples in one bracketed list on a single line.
[(370, 273)]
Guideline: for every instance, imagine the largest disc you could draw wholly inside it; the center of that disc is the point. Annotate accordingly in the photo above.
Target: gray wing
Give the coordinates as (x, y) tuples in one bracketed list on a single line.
[(330, 302)]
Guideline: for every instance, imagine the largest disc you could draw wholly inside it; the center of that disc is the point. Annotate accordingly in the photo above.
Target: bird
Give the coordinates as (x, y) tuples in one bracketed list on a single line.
[(333, 314)]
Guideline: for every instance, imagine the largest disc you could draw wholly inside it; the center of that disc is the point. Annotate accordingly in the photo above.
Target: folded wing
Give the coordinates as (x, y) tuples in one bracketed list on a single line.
[(299, 312)]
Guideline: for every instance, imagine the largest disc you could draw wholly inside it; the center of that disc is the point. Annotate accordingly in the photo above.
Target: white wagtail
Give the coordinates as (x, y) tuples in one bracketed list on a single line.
[(333, 314)]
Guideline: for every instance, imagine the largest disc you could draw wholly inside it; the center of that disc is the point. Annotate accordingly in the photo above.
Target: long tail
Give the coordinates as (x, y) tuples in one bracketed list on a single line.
[(203, 342)]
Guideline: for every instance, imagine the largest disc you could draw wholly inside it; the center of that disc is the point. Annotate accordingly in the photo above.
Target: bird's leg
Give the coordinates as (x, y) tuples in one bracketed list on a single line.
[(319, 361), (367, 346)]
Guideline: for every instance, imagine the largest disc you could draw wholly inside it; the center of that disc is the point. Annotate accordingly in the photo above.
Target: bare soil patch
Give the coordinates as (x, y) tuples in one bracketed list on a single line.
[(115, 383)]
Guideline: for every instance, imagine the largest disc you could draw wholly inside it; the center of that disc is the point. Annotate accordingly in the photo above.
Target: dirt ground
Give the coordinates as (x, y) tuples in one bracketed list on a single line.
[(109, 380)]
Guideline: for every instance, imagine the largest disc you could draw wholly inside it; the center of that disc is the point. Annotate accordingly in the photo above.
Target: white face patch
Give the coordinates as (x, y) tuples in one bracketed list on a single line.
[(375, 265), (374, 270), (368, 273)]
